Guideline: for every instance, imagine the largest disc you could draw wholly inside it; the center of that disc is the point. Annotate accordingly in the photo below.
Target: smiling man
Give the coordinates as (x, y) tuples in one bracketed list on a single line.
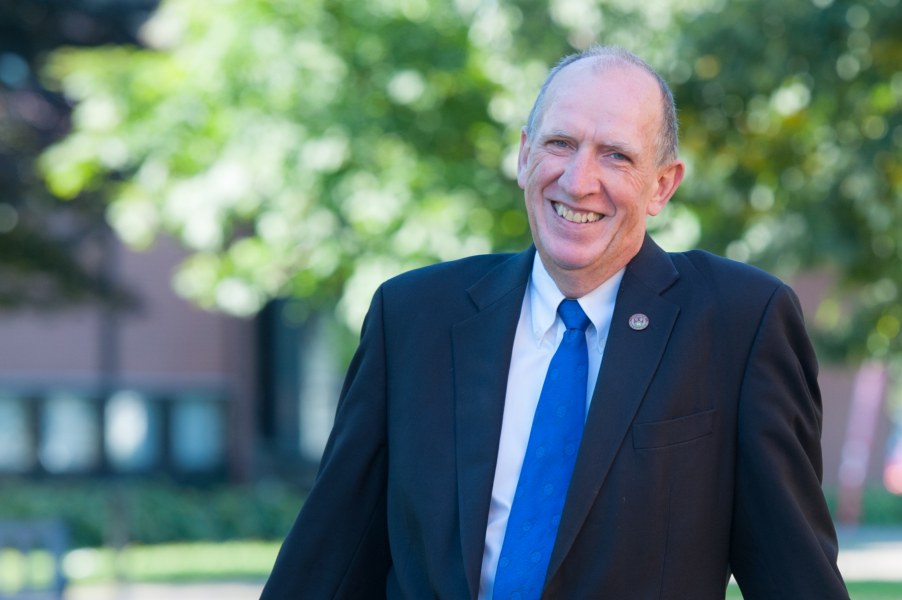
[(591, 168), (590, 418)]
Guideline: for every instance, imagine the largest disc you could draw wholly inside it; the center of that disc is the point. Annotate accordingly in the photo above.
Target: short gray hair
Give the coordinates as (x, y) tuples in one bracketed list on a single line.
[(668, 136)]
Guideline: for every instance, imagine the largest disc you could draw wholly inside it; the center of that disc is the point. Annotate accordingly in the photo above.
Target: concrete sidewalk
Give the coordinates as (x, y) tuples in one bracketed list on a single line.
[(870, 553), (866, 554), (162, 591)]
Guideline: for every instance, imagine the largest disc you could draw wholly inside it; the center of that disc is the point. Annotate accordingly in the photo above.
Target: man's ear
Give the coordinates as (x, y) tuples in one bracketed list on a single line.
[(522, 159), (669, 179)]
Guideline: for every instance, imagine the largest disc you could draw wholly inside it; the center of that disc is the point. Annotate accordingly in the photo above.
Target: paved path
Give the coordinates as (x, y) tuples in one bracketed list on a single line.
[(870, 554), (867, 554), (157, 591)]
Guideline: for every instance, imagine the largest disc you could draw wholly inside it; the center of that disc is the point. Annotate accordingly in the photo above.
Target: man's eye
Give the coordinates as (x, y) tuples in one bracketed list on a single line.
[(619, 156), (559, 143)]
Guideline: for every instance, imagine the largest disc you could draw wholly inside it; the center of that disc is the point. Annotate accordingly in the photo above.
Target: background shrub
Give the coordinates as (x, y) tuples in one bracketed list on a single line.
[(116, 513)]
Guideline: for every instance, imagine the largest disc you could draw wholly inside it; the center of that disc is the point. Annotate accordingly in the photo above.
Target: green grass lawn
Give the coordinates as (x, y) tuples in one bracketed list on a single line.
[(206, 561), (858, 590), (170, 563)]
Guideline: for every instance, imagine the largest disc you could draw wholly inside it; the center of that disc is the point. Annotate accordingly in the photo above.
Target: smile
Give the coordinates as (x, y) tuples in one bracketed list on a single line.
[(575, 216)]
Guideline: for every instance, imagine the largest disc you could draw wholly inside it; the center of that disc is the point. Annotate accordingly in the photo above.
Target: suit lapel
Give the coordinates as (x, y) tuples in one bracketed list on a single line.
[(630, 360), (481, 347)]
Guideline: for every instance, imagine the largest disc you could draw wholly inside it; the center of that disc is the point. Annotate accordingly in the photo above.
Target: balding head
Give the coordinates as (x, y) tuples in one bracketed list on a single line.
[(606, 57)]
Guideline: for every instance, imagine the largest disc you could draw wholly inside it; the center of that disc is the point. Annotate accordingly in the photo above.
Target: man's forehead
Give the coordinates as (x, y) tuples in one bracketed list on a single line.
[(633, 88), (596, 76), (604, 69)]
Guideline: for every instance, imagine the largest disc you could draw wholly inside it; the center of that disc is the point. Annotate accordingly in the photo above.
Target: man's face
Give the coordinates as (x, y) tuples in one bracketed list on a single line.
[(589, 172)]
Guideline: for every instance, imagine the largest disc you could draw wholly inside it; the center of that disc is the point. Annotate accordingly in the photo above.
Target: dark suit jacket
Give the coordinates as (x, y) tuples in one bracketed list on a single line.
[(701, 452)]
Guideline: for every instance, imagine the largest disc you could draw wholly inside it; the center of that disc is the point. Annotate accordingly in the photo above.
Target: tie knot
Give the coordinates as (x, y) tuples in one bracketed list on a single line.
[(572, 314)]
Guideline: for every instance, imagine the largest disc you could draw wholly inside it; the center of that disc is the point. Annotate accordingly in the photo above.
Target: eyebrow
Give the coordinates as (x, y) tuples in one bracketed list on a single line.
[(621, 147), (616, 145)]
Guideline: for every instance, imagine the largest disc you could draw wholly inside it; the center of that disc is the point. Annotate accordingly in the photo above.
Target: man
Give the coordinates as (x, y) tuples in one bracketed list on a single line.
[(700, 450)]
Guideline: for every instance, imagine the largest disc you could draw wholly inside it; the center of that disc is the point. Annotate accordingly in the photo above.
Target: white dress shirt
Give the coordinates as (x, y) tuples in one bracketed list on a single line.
[(539, 332)]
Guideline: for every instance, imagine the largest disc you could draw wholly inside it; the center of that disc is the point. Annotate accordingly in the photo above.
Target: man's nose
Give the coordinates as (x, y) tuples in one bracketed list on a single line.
[(581, 176)]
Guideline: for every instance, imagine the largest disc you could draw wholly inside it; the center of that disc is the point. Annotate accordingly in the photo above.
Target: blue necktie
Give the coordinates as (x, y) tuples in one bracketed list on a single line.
[(557, 429)]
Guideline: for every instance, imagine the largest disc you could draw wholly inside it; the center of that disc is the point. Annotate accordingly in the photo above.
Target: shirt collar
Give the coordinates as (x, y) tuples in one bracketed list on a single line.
[(544, 298)]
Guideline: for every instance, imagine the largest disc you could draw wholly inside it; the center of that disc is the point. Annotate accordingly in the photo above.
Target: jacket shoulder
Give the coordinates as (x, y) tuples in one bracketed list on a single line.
[(720, 270), (736, 287)]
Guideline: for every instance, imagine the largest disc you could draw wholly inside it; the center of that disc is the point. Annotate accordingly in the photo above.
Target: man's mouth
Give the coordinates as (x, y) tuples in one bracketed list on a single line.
[(575, 216)]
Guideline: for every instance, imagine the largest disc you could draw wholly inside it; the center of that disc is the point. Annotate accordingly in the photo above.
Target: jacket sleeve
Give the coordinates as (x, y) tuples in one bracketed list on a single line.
[(338, 546), (783, 544)]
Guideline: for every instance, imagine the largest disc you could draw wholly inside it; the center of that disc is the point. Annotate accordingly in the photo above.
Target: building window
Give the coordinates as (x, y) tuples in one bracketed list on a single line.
[(198, 434), (70, 433), (16, 439), (133, 432)]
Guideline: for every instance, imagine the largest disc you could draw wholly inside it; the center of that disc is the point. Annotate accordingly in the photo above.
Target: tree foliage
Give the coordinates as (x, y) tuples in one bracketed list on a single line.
[(308, 149), (792, 118), (315, 148)]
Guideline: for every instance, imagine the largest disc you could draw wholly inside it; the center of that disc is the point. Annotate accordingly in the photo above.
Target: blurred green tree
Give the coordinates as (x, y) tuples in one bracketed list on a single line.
[(315, 148), (312, 149), (792, 123)]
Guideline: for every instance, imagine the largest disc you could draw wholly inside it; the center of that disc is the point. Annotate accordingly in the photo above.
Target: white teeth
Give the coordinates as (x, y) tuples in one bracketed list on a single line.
[(574, 216)]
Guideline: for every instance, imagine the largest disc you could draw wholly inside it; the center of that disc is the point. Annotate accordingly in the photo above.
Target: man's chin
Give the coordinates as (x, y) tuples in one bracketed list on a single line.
[(571, 257), (569, 265)]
